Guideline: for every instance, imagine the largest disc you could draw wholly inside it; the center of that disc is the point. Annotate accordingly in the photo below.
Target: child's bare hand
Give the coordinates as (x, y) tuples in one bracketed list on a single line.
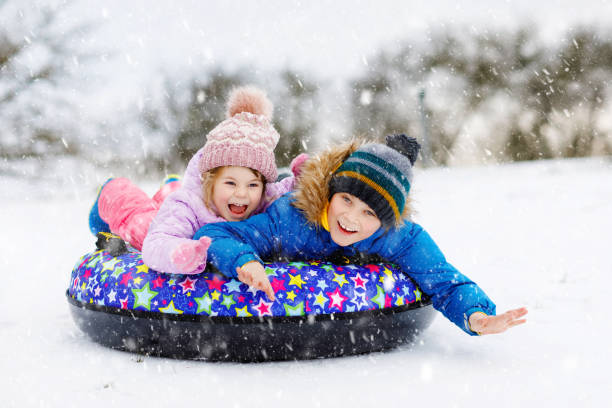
[(254, 274), (483, 324)]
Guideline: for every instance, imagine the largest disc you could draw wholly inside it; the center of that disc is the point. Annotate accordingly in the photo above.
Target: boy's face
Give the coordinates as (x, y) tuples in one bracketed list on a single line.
[(236, 193), (350, 219)]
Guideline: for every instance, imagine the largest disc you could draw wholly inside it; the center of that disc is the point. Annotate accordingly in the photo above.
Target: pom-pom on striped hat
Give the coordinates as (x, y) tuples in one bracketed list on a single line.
[(246, 138), (380, 175)]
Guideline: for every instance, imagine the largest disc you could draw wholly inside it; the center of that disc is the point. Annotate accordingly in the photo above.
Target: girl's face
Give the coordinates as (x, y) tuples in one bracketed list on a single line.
[(236, 192), (350, 219)]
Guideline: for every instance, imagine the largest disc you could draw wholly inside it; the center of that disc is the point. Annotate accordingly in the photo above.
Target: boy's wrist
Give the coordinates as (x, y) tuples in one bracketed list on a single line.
[(475, 316), (245, 259), (250, 262)]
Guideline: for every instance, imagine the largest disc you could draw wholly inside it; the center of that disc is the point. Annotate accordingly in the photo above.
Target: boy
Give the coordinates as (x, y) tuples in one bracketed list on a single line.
[(354, 199)]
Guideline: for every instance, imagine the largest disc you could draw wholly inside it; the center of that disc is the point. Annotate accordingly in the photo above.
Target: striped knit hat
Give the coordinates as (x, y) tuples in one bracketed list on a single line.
[(379, 175), (246, 138)]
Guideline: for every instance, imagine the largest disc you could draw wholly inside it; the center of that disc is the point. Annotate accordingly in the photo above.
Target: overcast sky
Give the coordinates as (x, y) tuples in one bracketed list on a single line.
[(328, 38)]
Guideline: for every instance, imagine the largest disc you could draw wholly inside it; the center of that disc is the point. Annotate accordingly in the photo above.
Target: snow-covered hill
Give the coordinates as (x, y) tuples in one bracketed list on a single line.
[(533, 234)]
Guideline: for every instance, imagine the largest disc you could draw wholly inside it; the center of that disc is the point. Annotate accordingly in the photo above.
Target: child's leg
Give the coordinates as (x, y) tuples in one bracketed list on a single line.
[(127, 210), (170, 184), (97, 224)]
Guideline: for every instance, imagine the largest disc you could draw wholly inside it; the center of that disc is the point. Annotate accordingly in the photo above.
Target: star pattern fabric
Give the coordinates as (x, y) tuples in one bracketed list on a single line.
[(301, 288), (142, 297)]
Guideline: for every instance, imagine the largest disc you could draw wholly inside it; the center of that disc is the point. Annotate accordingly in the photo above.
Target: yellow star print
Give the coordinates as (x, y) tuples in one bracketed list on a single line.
[(296, 280), (417, 294), (142, 268), (320, 300), (171, 309), (243, 312), (339, 279)]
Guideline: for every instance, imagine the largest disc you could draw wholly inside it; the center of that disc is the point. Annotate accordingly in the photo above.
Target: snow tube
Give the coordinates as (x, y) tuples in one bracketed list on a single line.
[(321, 310)]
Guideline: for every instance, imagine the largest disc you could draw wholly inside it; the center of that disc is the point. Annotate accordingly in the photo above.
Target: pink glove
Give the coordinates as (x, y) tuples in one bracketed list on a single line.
[(297, 164), (190, 257)]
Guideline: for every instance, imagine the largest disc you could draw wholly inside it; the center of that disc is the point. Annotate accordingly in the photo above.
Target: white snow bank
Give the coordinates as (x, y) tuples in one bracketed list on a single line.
[(533, 234)]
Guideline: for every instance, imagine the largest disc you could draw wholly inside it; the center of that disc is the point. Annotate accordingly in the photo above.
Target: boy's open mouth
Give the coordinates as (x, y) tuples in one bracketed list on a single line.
[(346, 230), (237, 209)]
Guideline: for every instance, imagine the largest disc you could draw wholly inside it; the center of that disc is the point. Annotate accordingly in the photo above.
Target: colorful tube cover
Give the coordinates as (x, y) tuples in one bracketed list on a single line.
[(301, 288)]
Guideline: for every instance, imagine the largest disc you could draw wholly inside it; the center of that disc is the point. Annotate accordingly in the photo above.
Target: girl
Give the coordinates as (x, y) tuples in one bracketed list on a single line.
[(228, 179), (354, 199)]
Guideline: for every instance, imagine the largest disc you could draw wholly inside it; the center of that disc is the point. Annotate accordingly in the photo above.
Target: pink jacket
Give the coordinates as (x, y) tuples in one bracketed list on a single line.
[(183, 213)]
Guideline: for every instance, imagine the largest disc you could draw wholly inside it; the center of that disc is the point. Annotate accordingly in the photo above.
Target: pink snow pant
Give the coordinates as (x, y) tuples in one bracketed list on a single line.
[(128, 210)]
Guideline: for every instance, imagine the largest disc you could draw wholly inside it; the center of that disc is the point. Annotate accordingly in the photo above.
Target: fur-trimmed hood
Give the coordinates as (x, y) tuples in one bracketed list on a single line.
[(312, 187)]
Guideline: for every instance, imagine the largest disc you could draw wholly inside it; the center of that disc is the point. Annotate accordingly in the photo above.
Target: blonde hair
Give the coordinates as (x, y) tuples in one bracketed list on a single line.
[(208, 184)]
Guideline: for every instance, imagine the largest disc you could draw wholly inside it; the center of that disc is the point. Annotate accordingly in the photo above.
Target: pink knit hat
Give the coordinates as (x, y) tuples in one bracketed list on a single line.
[(246, 138)]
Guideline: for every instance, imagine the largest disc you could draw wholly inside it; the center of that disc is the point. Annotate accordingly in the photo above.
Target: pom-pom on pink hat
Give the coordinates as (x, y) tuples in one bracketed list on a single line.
[(246, 138)]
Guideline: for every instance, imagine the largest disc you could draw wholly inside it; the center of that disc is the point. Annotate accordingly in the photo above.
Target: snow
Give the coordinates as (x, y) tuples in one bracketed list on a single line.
[(532, 234)]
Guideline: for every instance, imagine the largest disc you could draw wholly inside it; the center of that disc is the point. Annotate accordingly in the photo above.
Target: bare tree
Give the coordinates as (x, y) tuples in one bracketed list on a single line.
[(295, 115), (37, 110), (187, 113), (551, 94)]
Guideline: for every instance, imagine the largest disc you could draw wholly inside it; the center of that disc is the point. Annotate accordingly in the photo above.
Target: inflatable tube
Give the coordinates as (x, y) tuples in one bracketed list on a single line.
[(321, 310)]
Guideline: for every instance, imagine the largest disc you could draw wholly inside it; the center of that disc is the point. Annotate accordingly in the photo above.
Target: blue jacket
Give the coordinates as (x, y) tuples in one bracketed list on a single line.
[(283, 230)]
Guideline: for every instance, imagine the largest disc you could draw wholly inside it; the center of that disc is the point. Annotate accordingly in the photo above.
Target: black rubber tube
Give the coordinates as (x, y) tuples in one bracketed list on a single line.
[(251, 339)]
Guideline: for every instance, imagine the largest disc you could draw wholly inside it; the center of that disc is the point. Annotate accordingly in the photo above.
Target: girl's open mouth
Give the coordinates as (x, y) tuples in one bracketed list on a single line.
[(237, 209)]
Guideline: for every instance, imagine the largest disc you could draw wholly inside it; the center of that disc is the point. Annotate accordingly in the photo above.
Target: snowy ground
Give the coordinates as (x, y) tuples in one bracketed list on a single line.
[(532, 234)]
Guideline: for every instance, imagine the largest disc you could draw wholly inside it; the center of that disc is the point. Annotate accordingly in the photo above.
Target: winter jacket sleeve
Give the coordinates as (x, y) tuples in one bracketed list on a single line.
[(230, 248), (174, 224), (236, 243), (451, 292)]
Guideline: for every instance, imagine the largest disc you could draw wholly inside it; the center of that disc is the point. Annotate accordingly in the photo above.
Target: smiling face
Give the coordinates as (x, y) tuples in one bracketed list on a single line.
[(236, 192), (350, 219)]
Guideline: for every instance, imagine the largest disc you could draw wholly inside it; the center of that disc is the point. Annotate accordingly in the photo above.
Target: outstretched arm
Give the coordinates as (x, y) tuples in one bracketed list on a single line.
[(451, 292), (234, 244)]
